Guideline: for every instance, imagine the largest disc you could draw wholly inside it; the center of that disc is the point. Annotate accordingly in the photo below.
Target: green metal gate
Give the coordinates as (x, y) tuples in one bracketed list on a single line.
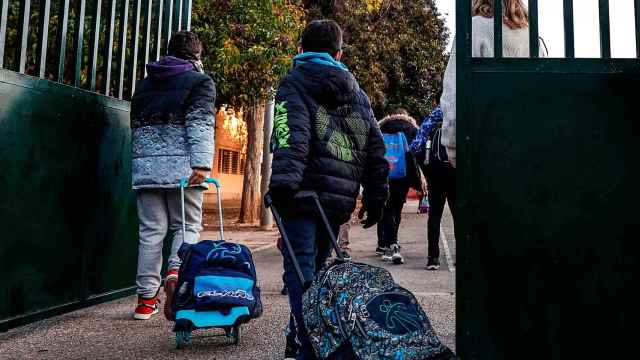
[(67, 212), (548, 181)]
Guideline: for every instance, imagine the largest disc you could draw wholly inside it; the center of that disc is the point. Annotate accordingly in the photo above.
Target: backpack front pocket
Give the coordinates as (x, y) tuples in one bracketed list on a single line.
[(215, 292)]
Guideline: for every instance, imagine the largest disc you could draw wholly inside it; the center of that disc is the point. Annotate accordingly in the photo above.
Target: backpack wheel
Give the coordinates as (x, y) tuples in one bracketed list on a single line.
[(183, 339)]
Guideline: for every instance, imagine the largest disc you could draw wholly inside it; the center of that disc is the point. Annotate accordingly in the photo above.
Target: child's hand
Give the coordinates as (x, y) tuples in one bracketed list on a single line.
[(198, 176)]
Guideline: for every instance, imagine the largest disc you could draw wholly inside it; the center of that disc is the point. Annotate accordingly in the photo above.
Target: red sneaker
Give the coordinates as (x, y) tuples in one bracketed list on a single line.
[(170, 283), (146, 308)]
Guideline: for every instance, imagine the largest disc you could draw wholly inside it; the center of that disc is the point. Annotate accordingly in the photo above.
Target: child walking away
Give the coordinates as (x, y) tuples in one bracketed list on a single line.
[(441, 180), (172, 120), (399, 130), (325, 140)]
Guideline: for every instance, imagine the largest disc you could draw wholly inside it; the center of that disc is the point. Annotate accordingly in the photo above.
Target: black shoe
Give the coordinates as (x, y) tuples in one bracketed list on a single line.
[(345, 255), (433, 263), (291, 350), (380, 250), (284, 290)]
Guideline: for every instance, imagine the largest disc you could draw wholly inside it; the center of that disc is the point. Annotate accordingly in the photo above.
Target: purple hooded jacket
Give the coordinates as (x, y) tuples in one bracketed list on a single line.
[(169, 66)]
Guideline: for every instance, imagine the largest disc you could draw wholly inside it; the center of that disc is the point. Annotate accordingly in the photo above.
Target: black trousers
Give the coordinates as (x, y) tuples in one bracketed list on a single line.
[(442, 188), (392, 215)]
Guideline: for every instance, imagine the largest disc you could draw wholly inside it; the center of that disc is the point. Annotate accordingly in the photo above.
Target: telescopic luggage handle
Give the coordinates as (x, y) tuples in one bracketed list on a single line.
[(184, 182), (302, 195)]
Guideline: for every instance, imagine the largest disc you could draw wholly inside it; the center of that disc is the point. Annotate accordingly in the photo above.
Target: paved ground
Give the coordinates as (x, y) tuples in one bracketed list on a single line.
[(107, 332)]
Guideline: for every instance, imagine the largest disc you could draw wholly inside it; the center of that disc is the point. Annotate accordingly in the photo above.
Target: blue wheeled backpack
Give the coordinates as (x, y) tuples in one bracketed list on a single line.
[(357, 311), (216, 276), (396, 154), (217, 285)]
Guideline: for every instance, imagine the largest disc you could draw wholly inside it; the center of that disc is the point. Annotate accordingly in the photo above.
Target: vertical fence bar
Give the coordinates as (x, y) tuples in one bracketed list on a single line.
[(133, 60), (169, 24), (95, 42), (23, 34), (3, 29), (108, 47), (534, 41), (178, 15), (569, 47), (637, 12), (63, 19), (605, 31), (497, 28), (78, 42), (122, 45), (187, 14), (158, 44), (146, 36), (43, 36)]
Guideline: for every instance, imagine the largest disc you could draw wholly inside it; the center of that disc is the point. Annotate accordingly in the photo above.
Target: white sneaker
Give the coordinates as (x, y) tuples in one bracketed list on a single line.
[(393, 255)]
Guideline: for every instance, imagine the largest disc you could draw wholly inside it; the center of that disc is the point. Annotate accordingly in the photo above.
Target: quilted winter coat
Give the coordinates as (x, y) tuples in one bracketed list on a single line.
[(172, 123)]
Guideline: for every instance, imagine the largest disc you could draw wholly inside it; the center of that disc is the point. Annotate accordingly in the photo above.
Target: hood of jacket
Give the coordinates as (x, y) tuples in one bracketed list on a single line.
[(169, 66), (396, 123), (325, 79)]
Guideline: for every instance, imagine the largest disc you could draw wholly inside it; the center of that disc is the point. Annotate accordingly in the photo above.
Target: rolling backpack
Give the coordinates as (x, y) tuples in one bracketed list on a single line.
[(396, 154), (217, 275), (357, 311), (217, 284), (362, 306)]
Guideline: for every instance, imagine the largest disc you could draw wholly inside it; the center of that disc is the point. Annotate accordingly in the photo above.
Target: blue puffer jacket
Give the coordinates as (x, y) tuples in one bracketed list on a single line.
[(173, 123)]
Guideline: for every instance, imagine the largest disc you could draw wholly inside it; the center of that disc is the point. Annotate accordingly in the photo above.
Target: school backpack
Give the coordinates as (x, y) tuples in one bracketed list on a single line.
[(396, 154), (217, 276), (361, 306), (436, 153)]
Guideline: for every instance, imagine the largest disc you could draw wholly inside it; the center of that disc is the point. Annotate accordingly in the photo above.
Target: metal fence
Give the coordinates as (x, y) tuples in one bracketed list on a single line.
[(568, 14), (97, 45), (75, 143)]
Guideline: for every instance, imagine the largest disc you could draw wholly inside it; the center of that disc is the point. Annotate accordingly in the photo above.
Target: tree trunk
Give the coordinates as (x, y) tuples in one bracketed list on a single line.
[(251, 196), (265, 217)]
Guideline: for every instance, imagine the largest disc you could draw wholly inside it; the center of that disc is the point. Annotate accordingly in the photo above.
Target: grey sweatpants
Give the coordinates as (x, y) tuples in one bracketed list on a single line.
[(159, 213)]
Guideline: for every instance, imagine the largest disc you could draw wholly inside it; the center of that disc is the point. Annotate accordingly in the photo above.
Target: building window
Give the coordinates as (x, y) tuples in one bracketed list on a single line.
[(230, 162)]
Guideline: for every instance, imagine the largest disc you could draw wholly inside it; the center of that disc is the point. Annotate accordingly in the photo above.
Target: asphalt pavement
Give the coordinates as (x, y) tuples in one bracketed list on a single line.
[(107, 331)]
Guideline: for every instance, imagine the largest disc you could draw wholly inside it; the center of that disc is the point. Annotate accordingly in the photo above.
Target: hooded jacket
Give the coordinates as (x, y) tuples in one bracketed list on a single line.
[(406, 124), (172, 123), (326, 138)]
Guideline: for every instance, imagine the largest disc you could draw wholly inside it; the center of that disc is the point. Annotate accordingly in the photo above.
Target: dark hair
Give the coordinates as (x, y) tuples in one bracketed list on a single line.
[(438, 96), (400, 111), (185, 45), (322, 36)]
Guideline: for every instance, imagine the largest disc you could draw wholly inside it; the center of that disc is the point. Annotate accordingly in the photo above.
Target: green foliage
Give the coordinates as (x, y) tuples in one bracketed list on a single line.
[(395, 48), (248, 44), (53, 52)]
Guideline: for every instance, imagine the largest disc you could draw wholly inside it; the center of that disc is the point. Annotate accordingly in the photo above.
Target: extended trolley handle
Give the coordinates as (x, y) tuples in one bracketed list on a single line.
[(304, 195), (184, 182)]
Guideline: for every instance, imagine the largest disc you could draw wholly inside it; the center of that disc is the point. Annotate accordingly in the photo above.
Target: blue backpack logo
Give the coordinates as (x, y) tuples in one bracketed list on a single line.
[(397, 147)]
